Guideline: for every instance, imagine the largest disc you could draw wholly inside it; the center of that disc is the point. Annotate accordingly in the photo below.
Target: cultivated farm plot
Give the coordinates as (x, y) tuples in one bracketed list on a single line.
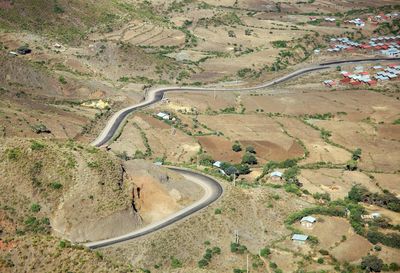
[(219, 148), (143, 33), (378, 154), (163, 140), (390, 182), (336, 182), (261, 132), (352, 249), (200, 100), (337, 236), (374, 105), (319, 151)]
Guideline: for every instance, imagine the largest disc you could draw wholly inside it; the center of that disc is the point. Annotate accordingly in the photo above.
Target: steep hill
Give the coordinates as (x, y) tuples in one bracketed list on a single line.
[(63, 188)]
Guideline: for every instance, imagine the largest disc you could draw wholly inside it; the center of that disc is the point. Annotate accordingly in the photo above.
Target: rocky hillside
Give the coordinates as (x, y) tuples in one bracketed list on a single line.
[(62, 188)]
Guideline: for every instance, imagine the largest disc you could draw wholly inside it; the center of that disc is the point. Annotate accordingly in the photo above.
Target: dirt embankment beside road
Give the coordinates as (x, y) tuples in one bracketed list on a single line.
[(82, 193)]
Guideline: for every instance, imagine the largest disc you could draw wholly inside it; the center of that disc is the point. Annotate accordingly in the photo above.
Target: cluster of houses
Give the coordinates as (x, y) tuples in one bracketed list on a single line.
[(383, 17), (388, 45), (357, 22), (360, 76), (326, 19)]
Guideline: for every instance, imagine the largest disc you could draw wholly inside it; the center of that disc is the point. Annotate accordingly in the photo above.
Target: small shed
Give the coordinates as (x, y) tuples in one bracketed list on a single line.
[(164, 116), (217, 164), (308, 221), (299, 238), (276, 175)]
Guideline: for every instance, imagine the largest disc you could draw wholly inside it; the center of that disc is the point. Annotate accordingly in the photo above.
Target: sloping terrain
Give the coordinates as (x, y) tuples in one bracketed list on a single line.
[(63, 188)]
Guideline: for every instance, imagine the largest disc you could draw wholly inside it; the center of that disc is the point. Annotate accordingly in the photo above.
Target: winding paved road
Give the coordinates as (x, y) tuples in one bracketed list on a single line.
[(156, 95), (213, 190)]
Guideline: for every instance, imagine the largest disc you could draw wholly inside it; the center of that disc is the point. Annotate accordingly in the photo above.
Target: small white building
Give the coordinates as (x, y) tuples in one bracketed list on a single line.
[(308, 221), (217, 164), (164, 116), (299, 238), (276, 175)]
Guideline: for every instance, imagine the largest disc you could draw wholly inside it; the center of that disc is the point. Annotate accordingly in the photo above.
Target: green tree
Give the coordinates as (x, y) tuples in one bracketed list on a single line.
[(202, 263), (249, 158), (205, 160), (236, 147), (357, 193), (291, 173), (351, 165), (356, 154), (250, 149), (371, 263), (243, 168)]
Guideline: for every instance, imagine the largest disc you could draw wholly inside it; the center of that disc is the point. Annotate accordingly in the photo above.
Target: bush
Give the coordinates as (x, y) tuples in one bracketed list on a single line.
[(35, 207), (243, 168), (238, 248), (324, 252), (202, 263), (320, 260), (175, 263), (394, 267), (265, 252), (356, 154), (351, 165), (37, 146), (273, 265), (56, 185), (236, 147), (40, 128), (216, 250), (279, 44), (62, 244), (357, 193), (250, 149), (291, 173), (217, 211), (62, 80), (14, 154), (205, 160)]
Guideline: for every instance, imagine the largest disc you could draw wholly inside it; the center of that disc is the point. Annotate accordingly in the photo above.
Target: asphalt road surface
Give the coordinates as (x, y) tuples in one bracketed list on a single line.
[(212, 191)]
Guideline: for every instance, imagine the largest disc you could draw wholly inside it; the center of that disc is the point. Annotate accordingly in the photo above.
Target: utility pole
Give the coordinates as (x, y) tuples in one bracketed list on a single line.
[(236, 236), (247, 266)]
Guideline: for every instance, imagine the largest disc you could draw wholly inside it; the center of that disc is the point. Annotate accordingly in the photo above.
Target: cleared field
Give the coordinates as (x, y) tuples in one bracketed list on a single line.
[(219, 148), (378, 154), (354, 104), (286, 261), (388, 254), (319, 151), (173, 145), (259, 131), (201, 100), (352, 250), (390, 182), (336, 182), (328, 230)]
